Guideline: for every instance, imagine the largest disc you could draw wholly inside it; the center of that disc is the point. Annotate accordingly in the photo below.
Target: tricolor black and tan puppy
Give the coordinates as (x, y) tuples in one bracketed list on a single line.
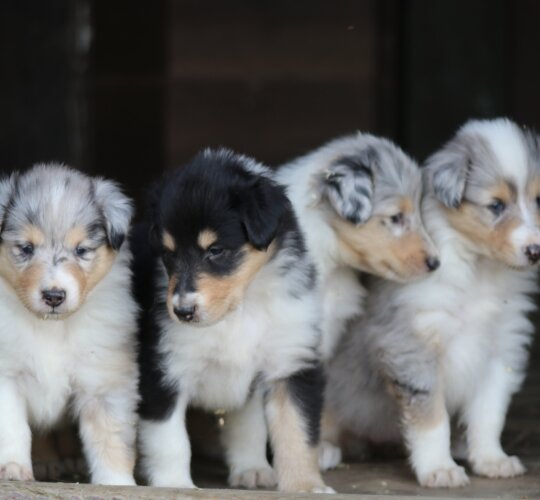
[(68, 322), (455, 344), (230, 323), (358, 201)]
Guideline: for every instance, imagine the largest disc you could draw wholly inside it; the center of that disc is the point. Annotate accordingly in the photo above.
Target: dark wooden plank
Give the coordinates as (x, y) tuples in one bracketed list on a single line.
[(273, 121), (130, 37), (241, 39)]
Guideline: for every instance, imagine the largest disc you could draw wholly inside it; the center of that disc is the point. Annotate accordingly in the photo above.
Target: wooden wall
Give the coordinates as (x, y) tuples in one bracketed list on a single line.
[(269, 78), (130, 87)]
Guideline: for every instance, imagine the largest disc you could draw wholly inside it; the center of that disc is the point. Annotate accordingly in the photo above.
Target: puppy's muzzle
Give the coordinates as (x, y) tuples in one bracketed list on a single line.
[(533, 253), (432, 263), (185, 313), (53, 297)]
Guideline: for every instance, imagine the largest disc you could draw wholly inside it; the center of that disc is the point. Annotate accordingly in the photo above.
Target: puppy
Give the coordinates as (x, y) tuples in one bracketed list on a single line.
[(229, 322), (456, 343), (358, 202), (69, 321)]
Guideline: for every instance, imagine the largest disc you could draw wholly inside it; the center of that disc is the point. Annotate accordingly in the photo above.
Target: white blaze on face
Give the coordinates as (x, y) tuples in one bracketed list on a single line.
[(57, 277)]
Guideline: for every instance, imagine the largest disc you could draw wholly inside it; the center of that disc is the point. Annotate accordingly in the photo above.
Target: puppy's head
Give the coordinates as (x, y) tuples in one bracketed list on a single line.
[(60, 232), (215, 222), (372, 193), (488, 179)]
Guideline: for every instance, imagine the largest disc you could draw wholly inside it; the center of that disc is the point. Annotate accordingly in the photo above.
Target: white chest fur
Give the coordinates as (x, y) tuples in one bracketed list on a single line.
[(215, 365), (473, 321), (270, 335), (38, 356)]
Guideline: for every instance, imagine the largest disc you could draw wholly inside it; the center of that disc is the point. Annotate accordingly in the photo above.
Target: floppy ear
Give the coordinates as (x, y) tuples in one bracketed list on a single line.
[(262, 206), (447, 172), (7, 189), (117, 210), (348, 186)]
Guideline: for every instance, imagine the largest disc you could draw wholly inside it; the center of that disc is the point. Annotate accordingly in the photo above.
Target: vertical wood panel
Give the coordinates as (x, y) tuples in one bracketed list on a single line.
[(455, 64)]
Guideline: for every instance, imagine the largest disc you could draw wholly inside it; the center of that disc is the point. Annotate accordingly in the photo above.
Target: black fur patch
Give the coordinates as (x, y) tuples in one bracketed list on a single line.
[(116, 239), (157, 398), (307, 391)]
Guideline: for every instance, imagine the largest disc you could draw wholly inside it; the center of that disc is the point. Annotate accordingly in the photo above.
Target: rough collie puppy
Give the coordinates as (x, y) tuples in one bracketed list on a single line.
[(456, 343), (68, 321), (358, 202), (230, 322)]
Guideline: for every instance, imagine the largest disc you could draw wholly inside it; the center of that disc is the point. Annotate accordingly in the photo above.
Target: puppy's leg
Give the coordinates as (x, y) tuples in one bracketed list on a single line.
[(484, 417), (426, 428), (244, 438), (165, 449), (329, 448), (293, 410), (15, 434), (108, 428)]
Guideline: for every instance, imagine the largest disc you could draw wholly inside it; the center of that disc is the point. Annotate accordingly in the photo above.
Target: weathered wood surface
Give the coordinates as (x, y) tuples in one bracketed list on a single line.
[(369, 481), (23, 490)]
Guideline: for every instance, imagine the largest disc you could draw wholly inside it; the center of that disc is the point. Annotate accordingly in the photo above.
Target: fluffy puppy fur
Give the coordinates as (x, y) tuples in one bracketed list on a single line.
[(230, 322), (455, 344), (68, 319), (358, 201)]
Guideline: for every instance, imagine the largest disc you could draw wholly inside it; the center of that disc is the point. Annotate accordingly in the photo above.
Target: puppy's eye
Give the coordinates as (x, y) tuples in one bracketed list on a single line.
[(397, 218), (497, 207), (81, 251), (26, 249), (214, 252)]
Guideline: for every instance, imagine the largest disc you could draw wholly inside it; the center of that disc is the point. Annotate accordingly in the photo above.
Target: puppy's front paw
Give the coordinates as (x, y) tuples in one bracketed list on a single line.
[(323, 489), (445, 477), (114, 479), (501, 467), (16, 472), (329, 455), (262, 477)]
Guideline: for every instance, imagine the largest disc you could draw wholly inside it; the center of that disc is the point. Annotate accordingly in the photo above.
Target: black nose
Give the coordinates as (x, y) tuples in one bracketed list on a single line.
[(533, 253), (432, 263), (53, 297), (185, 313)]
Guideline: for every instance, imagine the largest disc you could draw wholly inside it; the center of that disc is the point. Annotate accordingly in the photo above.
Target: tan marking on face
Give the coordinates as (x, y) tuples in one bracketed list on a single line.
[(533, 192), (408, 254), (102, 262), (33, 235), (24, 282), (406, 205), (503, 191), (295, 460), (222, 294), (170, 292), (372, 248), (206, 238), (168, 241), (28, 282), (75, 236), (533, 188), (492, 241)]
